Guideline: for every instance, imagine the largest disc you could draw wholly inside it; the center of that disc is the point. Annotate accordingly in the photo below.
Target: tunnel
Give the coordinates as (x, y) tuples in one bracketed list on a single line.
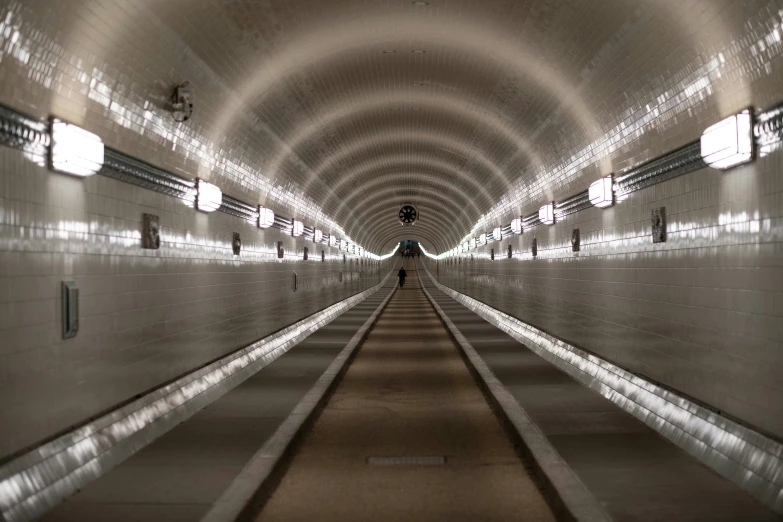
[(391, 260)]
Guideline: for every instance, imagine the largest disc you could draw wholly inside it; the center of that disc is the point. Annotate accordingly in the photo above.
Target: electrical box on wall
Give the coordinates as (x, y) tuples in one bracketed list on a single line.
[(658, 222), (70, 298), (150, 234)]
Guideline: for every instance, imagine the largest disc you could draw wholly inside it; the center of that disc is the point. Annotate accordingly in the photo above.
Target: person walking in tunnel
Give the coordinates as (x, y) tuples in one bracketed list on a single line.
[(402, 275)]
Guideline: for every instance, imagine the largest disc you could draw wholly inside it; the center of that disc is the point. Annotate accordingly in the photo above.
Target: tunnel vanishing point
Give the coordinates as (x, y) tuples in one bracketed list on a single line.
[(391, 260)]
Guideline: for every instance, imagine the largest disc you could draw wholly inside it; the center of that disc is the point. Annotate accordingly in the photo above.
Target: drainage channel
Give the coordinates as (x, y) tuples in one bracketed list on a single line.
[(406, 435)]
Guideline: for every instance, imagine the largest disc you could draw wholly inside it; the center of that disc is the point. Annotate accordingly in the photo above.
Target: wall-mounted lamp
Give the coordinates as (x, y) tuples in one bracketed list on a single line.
[(332, 240), (497, 235), (297, 229), (547, 214), (208, 196), (729, 142), (317, 236), (516, 225), (74, 150), (266, 218), (600, 192), (343, 244), (472, 243)]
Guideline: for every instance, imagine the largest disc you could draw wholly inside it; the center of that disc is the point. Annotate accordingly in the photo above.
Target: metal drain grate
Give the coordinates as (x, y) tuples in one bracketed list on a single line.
[(406, 461)]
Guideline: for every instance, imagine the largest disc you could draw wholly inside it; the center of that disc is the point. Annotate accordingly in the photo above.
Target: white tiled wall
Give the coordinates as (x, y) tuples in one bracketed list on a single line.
[(701, 313), (146, 316)]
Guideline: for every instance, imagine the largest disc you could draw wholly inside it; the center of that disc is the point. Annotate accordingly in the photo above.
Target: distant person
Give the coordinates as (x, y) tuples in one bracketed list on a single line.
[(402, 275)]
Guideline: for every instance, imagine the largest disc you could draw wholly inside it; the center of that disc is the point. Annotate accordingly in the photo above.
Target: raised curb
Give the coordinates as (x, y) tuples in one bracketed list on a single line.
[(571, 496), (250, 487)]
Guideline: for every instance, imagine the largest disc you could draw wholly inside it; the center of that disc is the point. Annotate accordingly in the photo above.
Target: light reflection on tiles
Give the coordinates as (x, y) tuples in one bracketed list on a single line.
[(747, 458), (19, 40), (36, 481)]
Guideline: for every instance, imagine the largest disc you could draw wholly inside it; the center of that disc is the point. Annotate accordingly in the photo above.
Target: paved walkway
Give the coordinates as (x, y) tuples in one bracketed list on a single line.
[(407, 436)]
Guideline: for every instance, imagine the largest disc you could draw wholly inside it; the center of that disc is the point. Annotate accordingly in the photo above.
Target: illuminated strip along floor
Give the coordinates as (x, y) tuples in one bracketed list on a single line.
[(180, 475), (407, 436), (634, 472)]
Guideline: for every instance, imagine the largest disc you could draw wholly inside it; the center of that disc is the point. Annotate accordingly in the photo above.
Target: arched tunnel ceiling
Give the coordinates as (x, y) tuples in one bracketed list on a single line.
[(473, 110)]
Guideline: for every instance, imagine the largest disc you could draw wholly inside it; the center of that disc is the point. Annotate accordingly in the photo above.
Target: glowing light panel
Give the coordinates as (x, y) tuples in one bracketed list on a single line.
[(547, 214), (297, 229), (728, 143), (516, 225), (600, 192), (266, 218), (74, 150), (208, 196)]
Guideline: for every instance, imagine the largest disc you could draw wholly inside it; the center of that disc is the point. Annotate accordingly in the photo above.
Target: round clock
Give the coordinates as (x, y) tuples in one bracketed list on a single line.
[(408, 214)]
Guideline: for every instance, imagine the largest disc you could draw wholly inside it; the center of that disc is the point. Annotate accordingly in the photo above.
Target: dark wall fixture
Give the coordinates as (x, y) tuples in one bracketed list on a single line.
[(658, 222), (510, 252), (236, 244), (343, 259), (304, 254), (575, 240), (492, 254), (294, 282), (340, 276), (280, 250), (534, 247), (323, 256), (70, 299), (150, 233)]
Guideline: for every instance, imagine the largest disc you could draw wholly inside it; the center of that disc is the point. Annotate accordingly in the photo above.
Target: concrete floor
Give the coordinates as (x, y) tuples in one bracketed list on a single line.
[(407, 394)]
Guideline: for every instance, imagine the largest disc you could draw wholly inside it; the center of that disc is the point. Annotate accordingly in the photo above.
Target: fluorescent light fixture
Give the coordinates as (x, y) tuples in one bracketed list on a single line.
[(482, 239), (496, 234), (472, 243), (343, 244), (465, 247), (600, 192), (547, 214), (297, 229), (728, 143), (208, 196), (74, 150), (332, 240), (266, 218), (317, 235), (516, 225)]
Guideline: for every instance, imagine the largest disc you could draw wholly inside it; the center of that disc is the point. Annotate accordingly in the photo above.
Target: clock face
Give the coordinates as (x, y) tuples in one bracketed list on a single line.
[(408, 214)]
